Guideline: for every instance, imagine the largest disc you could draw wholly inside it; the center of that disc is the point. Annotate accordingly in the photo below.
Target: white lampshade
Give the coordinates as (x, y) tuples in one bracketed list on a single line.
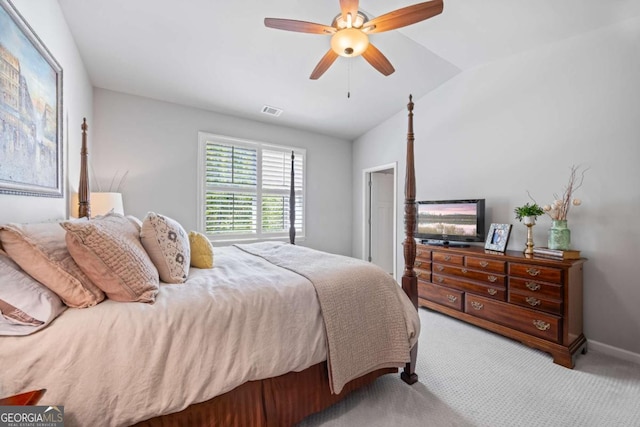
[(103, 203)]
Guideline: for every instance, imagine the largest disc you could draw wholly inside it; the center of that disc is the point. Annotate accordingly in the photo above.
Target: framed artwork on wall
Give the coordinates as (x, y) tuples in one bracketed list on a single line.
[(31, 151), (498, 237)]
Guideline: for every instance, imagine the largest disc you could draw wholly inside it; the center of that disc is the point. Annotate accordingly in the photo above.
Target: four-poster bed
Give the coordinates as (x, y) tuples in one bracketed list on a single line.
[(274, 400)]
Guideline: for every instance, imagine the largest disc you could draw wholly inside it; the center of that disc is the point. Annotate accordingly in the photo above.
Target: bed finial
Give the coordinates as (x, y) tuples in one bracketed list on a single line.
[(409, 278), (292, 203), (84, 207)]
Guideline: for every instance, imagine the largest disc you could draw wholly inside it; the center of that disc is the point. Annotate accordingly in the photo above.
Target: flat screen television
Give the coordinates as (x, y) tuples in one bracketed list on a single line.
[(450, 222)]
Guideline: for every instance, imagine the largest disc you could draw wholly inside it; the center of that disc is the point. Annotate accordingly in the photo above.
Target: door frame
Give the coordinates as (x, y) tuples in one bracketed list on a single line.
[(365, 211)]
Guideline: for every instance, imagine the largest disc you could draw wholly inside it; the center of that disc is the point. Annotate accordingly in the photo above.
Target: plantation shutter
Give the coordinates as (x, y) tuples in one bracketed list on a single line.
[(231, 181), (245, 188), (276, 181)]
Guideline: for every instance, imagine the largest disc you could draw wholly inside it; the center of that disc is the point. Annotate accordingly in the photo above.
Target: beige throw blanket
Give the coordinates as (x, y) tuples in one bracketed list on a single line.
[(366, 314)]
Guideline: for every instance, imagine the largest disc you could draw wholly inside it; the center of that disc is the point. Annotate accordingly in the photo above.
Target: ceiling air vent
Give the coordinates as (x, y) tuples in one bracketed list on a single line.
[(271, 111)]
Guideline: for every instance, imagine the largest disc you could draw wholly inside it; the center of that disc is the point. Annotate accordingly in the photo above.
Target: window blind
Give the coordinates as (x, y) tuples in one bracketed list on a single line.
[(246, 188)]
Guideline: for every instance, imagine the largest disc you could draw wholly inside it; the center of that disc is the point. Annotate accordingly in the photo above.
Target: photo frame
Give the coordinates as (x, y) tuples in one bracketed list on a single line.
[(31, 138), (498, 237)]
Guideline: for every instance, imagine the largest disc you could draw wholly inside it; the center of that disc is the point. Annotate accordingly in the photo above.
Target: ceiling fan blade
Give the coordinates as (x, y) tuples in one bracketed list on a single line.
[(299, 26), (377, 60), (349, 6), (403, 17), (324, 64)]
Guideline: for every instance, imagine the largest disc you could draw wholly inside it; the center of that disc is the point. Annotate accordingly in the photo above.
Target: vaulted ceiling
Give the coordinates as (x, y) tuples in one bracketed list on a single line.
[(218, 55)]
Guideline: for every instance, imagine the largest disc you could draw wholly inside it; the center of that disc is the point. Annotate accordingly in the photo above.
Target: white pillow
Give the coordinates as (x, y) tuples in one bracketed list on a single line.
[(167, 244), (26, 305)]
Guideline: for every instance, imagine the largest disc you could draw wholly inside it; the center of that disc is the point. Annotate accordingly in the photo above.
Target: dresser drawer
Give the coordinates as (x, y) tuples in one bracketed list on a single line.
[(546, 274), (423, 274), (493, 279), (533, 322), (423, 254), (536, 288), (531, 301), (448, 258), (445, 296), (483, 264), (421, 263), (497, 292)]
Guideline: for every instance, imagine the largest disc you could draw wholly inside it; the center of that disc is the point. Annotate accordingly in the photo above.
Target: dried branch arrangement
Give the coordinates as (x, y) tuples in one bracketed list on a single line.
[(113, 188), (559, 208)]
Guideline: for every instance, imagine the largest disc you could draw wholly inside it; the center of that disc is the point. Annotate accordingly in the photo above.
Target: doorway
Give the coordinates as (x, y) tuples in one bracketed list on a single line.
[(380, 201)]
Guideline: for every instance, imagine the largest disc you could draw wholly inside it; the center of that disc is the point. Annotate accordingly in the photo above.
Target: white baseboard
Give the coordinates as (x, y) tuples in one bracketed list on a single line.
[(613, 351)]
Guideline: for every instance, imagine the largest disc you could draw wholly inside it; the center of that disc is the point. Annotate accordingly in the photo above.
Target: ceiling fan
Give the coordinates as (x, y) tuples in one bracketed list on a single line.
[(350, 31)]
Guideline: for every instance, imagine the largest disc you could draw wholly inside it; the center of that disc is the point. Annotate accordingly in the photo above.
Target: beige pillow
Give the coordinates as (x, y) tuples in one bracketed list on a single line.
[(41, 251), (167, 244), (26, 306), (109, 251), (201, 250)]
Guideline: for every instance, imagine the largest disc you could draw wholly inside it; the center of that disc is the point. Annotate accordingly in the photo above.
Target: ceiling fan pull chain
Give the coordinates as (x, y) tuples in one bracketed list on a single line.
[(349, 79)]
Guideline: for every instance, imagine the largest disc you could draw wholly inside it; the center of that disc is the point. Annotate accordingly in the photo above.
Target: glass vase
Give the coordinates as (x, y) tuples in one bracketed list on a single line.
[(559, 235)]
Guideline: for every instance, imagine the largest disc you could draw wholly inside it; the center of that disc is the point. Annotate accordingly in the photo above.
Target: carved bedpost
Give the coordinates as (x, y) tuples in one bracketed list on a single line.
[(409, 278), (84, 207), (292, 203)]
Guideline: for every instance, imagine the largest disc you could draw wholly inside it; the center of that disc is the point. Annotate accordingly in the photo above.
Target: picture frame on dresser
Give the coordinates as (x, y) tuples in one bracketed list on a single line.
[(498, 237), (31, 139)]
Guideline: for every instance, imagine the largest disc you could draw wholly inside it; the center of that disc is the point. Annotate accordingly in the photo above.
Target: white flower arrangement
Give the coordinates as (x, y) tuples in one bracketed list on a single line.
[(559, 209)]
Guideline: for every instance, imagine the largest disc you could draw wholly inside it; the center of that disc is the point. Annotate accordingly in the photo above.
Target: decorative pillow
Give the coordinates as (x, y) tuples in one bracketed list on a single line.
[(41, 251), (135, 222), (201, 250), (167, 244), (109, 251), (26, 306)]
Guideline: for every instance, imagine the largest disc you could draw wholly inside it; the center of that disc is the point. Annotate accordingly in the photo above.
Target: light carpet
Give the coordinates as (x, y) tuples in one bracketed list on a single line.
[(472, 377)]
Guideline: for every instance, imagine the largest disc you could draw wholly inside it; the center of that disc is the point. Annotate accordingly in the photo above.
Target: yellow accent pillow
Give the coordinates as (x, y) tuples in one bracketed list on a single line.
[(201, 250)]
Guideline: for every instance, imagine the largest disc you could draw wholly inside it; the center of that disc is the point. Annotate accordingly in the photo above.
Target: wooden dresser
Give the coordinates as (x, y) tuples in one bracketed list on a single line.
[(537, 301)]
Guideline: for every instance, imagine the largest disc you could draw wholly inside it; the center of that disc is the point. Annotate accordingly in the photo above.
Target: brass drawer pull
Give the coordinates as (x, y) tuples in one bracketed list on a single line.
[(533, 271), (419, 273), (476, 305), (533, 286), (543, 326), (419, 253), (440, 279), (532, 301), (492, 291), (483, 264), (447, 258), (452, 298), (492, 278), (440, 268), (417, 264), (464, 270)]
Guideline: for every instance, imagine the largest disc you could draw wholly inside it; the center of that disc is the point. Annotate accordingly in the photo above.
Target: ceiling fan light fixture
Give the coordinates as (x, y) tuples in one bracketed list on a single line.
[(349, 42), (356, 21)]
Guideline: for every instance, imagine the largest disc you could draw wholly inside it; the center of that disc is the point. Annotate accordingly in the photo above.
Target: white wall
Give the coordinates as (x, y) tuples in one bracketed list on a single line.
[(157, 142), (519, 124), (47, 20)]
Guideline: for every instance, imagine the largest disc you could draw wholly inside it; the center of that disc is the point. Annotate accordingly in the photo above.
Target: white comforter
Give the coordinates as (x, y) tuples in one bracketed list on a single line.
[(120, 363)]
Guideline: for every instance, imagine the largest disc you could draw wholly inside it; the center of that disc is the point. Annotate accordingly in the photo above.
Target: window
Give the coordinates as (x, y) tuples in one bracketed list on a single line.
[(244, 188)]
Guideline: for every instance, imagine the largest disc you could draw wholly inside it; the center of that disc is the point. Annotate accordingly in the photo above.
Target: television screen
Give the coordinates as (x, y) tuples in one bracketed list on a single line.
[(458, 220)]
